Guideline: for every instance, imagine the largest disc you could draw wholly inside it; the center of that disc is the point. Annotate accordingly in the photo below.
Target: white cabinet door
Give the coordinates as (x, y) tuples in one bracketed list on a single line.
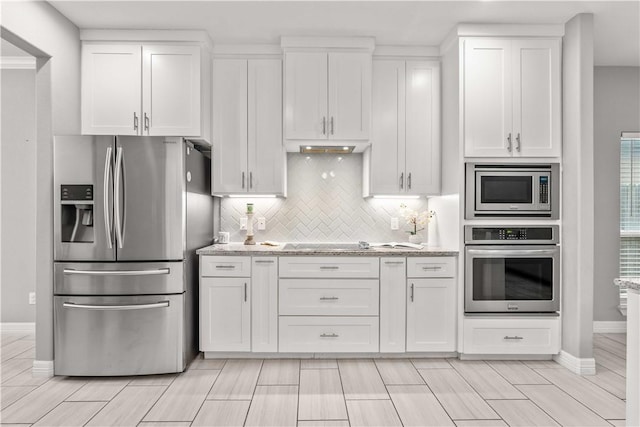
[(431, 315), (229, 126), (266, 155), (171, 90), (536, 98), (349, 95), (264, 309), (393, 306), (225, 314), (306, 95), (388, 127), (111, 89), (487, 98), (422, 128)]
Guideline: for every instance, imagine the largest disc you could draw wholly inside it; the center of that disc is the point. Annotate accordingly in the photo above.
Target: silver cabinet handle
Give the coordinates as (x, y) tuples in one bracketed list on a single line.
[(226, 267), (329, 298), (393, 262), (263, 261), (116, 307), (245, 291), (409, 181), (436, 267), (135, 121), (509, 142), (242, 179), (332, 335), (412, 292), (402, 180), (515, 337), (116, 197), (329, 267), (105, 200), (146, 122), (155, 272), (324, 125), (250, 179), (331, 125), (518, 142)]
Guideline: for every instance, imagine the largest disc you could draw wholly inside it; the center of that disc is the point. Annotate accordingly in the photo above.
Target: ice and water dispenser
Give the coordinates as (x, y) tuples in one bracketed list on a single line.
[(76, 213)]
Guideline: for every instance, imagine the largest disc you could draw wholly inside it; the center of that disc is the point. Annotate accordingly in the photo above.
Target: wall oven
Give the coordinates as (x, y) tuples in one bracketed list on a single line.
[(512, 269), (512, 190)]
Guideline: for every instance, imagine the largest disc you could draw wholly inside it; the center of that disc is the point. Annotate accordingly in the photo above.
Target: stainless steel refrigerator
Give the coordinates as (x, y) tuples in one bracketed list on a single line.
[(129, 214)]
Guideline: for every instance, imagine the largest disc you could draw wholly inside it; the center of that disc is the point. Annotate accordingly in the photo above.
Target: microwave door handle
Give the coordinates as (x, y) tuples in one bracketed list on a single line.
[(512, 252)]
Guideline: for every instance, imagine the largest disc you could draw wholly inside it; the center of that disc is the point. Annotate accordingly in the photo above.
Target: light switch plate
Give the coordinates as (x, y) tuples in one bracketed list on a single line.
[(243, 223), (394, 223), (32, 298), (262, 223)]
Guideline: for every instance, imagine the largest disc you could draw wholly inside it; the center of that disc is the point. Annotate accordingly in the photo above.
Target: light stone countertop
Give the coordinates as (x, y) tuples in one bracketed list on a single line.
[(630, 283), (258, 249)]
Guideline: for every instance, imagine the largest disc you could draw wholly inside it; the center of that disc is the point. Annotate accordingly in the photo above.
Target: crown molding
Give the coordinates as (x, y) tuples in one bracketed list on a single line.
[(17, 63)]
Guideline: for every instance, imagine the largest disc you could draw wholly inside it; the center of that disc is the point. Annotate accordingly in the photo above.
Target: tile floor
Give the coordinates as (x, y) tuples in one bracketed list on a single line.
[(362, 392)]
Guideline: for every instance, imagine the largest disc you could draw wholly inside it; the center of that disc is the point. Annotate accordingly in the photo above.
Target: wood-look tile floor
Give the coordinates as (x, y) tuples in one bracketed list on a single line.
[(353, 392)]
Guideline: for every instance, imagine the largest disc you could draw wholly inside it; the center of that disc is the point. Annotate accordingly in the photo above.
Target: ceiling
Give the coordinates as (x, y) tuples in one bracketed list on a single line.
[(617, 23)]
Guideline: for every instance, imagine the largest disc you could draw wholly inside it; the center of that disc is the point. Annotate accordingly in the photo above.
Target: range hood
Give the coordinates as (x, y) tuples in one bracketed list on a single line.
[(327, 149)]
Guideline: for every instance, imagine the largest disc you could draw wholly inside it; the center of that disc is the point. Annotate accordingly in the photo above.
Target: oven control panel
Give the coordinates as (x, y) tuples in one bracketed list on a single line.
[(512, 235)]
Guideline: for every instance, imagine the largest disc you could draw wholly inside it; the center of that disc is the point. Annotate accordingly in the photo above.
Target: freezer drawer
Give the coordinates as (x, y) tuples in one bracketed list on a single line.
[(119, 335), (132, 278)]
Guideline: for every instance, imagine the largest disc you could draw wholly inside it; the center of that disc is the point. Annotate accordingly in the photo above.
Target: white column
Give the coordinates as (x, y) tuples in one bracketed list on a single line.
[(633, 357)]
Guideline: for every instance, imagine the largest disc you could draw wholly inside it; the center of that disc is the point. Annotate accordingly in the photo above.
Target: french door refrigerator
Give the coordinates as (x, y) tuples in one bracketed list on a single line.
[(129, 214)]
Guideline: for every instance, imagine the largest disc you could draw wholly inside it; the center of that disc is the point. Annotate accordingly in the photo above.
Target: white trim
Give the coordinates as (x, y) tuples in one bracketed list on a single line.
[(610, 327), (407, 51), (18, 63), (586, 366), (18, 327), (360, 43), (272, 50), (42, 368), (199, 36)]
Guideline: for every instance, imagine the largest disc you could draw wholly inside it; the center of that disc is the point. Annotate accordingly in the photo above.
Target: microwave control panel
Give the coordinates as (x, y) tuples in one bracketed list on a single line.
[(544, 189)]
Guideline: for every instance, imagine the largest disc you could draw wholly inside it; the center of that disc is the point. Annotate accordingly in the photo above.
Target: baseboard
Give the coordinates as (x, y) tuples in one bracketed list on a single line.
[(42, 368), (18, 327), (586, 366), (609, 327)]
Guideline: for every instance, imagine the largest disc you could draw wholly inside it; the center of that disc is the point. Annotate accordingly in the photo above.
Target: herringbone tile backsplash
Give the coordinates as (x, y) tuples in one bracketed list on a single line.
[(324, 203)]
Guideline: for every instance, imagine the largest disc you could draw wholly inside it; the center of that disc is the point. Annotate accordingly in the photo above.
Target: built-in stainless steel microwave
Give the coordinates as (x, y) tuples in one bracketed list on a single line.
[(512, 190)]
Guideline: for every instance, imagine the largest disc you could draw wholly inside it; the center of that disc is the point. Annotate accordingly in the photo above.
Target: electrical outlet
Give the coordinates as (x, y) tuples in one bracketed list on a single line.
[(243, 223), (394, 223), (32, 298), (262, 223)]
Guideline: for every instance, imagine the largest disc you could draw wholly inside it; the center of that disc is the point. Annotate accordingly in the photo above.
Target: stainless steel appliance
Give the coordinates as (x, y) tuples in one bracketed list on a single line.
[(512, 190), (512, 269), (130, 213)]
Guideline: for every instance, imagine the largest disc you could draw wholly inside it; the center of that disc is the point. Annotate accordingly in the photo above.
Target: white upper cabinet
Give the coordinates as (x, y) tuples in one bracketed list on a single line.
[(134, 89), (511, 97), (327, 95), (405, 140), (248, 155)]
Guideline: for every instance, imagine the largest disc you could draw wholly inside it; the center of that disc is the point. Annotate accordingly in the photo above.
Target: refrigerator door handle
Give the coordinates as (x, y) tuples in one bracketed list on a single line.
[(161, 304), (116, 196), (155, 272), (107, 211)]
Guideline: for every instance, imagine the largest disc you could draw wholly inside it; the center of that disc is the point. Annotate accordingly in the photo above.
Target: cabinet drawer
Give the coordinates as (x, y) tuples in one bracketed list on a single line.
[(225, 266), (328, 334), (512, 336), (319, 267), (431, 267), (317, 297)]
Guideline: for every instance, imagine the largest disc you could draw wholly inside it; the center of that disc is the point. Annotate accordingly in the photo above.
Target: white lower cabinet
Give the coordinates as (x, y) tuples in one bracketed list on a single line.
[(393, 305), (328, 334), (512, 335), (225, 314), (264, 304)]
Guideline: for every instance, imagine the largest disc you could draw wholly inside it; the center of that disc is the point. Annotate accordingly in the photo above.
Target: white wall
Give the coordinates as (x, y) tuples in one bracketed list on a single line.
[(39, 29), (578, 188), (18, 181), (616, 109)]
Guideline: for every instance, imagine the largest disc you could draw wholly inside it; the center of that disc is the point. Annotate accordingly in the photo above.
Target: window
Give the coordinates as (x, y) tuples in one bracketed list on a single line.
[(630, 205)]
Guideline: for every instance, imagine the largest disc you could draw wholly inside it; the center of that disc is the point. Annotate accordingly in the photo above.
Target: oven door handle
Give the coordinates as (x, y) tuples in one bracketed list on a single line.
[(512, 252)]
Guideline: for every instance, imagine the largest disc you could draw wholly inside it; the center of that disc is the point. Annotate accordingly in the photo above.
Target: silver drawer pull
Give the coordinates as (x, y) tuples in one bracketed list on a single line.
[(116, 307), (117, 272), (437, 267), (329, 298), (227, 267), (393, 262), (329, 335), (329, 267), (263, 261), (515, 337)]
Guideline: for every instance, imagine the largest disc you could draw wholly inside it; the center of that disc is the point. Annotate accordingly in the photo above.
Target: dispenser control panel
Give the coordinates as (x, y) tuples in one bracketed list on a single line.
[(76, 192)]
